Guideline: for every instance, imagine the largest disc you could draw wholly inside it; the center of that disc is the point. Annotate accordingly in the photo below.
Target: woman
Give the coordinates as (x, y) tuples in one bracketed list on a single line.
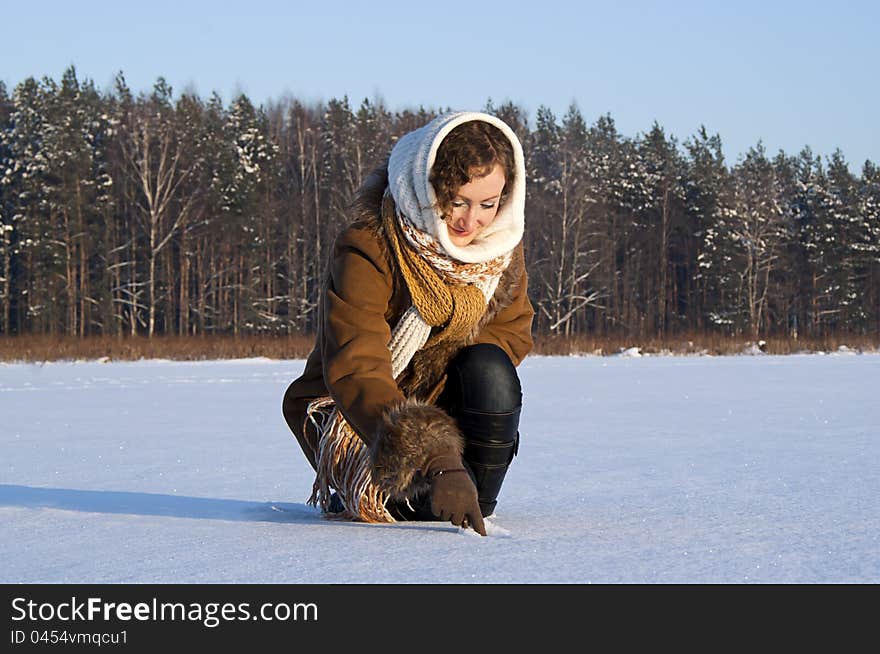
[(408, 407)]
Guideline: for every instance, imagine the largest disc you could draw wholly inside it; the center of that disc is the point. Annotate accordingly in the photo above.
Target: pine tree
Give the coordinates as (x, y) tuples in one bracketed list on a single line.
[(786, 304), (868, 209), (514, 116), (607, 162), (662, 231), (32, 253), (340, 163), (253, 181), (707, 192), (805, 207), (6, 209), (100, 314), (543, 238), (822, 227), (209, 237), (72, 137), (373, 130), (851, 235)]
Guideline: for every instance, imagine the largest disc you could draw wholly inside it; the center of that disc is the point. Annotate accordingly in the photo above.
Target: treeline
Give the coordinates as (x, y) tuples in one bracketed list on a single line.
[(154, 214)]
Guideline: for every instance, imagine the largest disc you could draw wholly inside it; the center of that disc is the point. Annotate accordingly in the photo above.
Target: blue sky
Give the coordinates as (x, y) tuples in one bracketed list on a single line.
[(788, 73)]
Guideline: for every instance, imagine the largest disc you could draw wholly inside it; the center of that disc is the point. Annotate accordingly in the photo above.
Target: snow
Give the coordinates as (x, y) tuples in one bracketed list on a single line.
[(754, 349), (737, 469)]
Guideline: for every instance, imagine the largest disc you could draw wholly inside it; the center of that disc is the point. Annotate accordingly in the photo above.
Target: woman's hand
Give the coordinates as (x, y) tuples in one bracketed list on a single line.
[(453, 494)]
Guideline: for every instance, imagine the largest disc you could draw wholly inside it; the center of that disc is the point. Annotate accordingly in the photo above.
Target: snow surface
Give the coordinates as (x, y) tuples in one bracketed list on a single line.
[(733, 469)]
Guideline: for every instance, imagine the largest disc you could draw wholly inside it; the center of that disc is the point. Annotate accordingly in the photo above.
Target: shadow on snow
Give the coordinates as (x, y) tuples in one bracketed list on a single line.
[(181, 506), (176, 506)]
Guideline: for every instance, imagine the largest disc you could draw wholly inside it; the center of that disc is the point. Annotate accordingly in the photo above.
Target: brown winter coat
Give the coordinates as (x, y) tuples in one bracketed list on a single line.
[(363, 298)]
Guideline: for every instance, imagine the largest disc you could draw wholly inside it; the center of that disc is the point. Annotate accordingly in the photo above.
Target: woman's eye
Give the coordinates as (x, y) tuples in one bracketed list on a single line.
[(458, 204)]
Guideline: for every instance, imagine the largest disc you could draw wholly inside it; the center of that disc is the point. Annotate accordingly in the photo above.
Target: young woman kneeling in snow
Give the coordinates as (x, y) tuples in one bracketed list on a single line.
[(409, 404)]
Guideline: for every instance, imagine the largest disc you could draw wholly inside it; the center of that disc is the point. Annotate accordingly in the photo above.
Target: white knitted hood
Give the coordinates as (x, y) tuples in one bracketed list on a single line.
[(409, 170)]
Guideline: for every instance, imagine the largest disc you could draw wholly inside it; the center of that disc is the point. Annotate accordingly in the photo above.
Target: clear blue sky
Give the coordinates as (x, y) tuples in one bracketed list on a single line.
[(788, 73)]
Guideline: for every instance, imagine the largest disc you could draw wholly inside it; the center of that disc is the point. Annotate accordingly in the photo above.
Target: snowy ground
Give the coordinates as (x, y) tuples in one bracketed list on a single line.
[(652, 469)]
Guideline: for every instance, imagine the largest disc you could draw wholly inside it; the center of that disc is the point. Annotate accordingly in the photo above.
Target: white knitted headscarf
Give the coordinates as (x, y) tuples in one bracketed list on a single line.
[(409, 170)]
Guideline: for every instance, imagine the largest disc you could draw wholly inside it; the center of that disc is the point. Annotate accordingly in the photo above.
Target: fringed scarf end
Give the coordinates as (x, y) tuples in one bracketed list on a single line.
[(343, 465)]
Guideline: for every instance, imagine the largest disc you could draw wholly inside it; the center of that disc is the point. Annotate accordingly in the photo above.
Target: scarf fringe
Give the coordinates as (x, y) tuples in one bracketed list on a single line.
[(343, 465)]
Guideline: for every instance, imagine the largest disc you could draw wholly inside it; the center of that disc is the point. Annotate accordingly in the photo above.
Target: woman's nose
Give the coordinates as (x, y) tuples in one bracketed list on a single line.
[(470, 220)]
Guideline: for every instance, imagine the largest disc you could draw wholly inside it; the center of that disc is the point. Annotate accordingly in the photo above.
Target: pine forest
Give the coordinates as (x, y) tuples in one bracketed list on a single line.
[(161, 214)]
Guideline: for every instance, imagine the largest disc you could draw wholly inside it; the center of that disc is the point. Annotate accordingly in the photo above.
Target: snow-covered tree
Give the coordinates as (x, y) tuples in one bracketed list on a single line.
[(707, 201), (563, 256), (340, 165), (515, 117), (34, 253), (757, 232), (254, 183), (868, 209), (828, 229), (123, 214), (852, 235), (607, 161), (6, 209), (73, 138), (661, 228)]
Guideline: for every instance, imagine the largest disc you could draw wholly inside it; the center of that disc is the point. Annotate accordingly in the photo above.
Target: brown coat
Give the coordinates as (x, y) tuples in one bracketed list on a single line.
[(363, 298)]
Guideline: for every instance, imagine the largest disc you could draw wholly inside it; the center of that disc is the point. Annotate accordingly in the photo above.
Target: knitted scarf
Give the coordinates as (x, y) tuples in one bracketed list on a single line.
[(450, 288)]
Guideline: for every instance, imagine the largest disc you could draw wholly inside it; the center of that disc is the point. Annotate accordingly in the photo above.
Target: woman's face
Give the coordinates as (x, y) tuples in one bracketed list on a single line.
[(474, 207)]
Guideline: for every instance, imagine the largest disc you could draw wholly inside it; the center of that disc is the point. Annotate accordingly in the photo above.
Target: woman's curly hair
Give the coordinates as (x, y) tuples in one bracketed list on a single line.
[(470, 151)]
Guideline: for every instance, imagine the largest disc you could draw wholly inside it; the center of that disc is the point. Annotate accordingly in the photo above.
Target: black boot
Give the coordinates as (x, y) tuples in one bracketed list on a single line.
[(483, 394), (491, 443), (416, 508)]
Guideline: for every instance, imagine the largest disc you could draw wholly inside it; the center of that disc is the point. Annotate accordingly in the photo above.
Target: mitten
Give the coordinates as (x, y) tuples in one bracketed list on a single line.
[(453, 494)]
